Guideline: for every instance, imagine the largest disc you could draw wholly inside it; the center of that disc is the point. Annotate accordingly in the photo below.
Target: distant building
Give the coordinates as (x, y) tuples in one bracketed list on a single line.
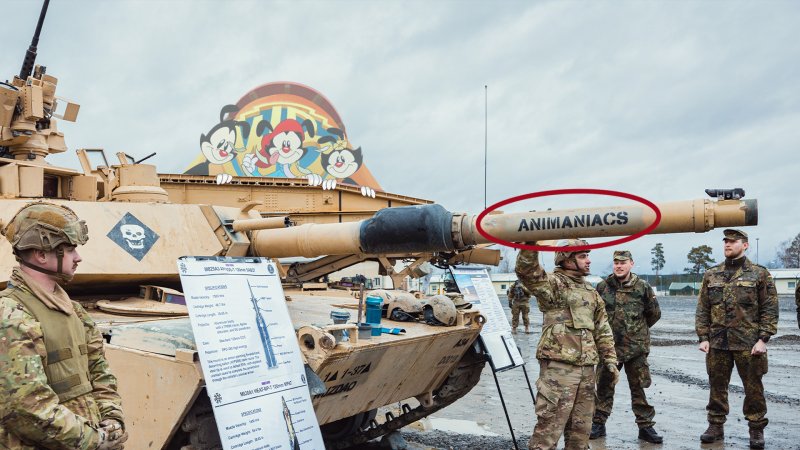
[(500, 281), (676, 288), (785, 283), (785, 280)]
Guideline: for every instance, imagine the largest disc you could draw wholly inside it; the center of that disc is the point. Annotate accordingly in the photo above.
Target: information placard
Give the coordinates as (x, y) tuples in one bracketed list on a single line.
[(476, 286), (249, 354)]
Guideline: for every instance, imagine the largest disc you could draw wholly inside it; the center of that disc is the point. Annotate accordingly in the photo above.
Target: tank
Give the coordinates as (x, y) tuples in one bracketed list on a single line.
[(129, 281)]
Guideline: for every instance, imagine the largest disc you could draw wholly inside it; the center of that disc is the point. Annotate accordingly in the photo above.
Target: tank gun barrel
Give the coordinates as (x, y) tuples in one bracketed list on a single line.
[(30, 55), (697, 216), (431, 228)]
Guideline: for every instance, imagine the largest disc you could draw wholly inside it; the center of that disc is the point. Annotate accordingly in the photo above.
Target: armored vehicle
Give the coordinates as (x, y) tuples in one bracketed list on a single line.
[(129, 281)]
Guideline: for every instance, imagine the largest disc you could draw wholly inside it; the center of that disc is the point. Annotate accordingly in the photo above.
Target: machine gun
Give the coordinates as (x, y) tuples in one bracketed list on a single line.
[(28, 108), (30, 55)]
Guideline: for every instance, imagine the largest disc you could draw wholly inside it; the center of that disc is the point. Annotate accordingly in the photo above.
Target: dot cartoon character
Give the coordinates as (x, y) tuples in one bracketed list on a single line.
[(217, 145), (281, 149), (339, 161)]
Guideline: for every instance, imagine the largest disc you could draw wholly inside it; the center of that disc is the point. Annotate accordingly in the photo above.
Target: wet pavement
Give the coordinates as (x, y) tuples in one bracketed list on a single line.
[(679, 393)]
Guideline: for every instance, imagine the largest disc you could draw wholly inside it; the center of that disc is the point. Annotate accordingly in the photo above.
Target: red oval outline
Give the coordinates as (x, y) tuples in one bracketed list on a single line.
[(549, 248)]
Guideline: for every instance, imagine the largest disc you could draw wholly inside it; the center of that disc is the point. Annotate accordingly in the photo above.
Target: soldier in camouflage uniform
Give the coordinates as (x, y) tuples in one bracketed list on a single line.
[(632, 309), (797, 302), (575, 337), (57, 391), (519, 301), (737, 312)]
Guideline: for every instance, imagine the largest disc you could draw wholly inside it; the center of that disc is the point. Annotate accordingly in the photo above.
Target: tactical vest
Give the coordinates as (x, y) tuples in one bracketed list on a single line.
[(567, 331), (67, 362), (578, 313)]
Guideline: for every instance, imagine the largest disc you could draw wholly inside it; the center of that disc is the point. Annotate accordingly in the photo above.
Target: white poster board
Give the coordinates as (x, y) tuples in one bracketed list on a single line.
[(476, 286), (249, 353)]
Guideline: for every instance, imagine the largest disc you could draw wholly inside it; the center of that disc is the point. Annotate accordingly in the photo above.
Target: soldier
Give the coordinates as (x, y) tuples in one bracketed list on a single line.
[(737, 312), (519, 301), (57, 391), (575, 337), (632, 309), (797, 302)]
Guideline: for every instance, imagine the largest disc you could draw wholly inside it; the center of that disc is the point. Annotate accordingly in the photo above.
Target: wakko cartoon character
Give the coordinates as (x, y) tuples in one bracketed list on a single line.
[(281, 149), (218, 145), (339, 161)]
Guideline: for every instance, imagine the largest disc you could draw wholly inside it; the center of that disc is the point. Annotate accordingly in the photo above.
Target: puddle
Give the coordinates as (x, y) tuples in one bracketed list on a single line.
[(458, 426)]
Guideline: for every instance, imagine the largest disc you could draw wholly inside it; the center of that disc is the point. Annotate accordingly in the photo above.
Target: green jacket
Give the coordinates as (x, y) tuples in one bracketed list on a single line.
[(734, 310), (575, 329), (31, 415), (632, 309), (797, 297)]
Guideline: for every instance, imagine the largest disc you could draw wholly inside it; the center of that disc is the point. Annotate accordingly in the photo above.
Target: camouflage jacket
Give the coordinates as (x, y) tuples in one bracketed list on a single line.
[(632, 309), (735, 309), (31, 416), (797, 297), (518, 294), (575, 329)]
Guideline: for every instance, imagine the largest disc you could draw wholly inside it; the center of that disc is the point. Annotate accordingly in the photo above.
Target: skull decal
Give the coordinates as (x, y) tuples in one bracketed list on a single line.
[(133, 235)]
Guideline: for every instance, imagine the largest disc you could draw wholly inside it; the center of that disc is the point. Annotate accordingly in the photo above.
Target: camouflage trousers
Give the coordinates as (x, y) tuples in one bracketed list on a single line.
[(719, 365), (564, 404), (517, 308), (638, 373)]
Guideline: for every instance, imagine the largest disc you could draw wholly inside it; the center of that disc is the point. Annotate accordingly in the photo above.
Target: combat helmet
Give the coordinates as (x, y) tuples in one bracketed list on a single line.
[(403, 307), (440, 310), (385, 295), (45, 226), (458, 300), (562, 256)]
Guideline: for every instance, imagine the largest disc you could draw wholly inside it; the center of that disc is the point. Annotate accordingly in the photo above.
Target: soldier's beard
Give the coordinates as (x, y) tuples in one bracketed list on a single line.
[(731, 255)]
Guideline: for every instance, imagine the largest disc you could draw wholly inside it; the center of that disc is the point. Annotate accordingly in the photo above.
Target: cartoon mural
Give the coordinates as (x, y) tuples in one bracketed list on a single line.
[(217, 146), (283, 130)]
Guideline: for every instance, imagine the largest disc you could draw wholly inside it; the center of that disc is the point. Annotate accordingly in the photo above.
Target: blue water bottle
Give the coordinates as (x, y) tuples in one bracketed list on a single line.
[(374, 306)]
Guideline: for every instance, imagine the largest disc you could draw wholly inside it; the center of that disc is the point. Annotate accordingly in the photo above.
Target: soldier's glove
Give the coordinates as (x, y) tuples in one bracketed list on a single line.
[(614, 372), (112, 436), (110, 424)]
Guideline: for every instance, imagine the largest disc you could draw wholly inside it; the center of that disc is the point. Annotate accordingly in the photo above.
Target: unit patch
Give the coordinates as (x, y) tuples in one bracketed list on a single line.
[(133, 236)]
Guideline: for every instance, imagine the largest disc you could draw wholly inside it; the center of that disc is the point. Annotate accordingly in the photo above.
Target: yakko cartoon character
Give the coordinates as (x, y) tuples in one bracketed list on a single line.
[(217, 145)]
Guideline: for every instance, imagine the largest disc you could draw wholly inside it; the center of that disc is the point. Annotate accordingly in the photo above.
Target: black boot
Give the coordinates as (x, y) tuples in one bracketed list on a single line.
[(713, 433), (756, 438), (649, 434), (598, 430)]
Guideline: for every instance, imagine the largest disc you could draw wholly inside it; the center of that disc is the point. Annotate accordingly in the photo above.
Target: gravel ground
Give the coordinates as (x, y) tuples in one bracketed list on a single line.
[(679, 394)]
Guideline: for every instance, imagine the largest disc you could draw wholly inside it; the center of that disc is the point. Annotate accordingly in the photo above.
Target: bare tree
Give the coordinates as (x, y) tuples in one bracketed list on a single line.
[(789, 252)]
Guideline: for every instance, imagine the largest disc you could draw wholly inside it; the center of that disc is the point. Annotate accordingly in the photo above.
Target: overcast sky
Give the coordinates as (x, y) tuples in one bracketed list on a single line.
[(659, 99)]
